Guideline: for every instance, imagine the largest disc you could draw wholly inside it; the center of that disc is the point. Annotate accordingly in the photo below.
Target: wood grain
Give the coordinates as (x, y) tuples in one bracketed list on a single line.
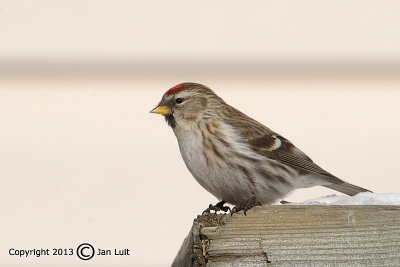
[(293, 235)]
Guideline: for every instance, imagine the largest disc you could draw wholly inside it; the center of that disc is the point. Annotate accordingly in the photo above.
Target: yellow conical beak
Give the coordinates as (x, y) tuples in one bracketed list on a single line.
[(163, 110)]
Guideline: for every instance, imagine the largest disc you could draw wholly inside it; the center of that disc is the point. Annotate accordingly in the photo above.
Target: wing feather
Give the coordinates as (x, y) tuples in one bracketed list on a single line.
[(271, 145), (265, 142)]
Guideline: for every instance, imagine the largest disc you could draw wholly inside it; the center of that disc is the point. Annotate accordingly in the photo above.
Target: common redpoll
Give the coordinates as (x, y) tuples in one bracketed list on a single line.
[(234, 157)]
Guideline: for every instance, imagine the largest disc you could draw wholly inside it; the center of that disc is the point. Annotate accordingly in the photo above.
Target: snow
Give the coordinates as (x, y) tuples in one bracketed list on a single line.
[(359, 199)]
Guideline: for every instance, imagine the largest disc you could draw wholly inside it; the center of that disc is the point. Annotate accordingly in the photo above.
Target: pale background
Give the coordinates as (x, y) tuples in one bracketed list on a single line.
[(82, 160)]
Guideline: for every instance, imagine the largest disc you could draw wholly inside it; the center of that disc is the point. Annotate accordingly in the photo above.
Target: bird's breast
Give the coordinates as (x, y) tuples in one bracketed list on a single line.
[(212, 164)]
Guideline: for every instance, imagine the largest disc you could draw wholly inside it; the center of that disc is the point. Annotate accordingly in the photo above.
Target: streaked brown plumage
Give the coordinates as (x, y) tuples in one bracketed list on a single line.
[(232, 155)]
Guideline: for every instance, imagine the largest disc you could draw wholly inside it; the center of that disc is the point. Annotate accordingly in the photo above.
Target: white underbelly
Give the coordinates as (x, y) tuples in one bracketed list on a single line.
[(215, 176), (225, 178)]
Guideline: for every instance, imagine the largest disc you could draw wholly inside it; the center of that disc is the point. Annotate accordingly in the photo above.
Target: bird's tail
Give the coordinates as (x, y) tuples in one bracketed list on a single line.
[(346, 188)]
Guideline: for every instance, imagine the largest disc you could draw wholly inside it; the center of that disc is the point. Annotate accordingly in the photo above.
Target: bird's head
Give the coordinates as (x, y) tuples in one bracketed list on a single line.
[(186, 103)]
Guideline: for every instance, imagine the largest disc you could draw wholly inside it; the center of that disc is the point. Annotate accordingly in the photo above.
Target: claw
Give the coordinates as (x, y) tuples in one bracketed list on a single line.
[(208, 210), (217, 207), (252, 202)]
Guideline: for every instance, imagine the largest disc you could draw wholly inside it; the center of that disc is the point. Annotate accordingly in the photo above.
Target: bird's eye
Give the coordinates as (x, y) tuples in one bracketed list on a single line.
[(179, 100)]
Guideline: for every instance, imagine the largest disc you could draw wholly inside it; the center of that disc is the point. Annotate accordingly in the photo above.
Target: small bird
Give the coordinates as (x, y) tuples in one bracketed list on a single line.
[(234, 157)]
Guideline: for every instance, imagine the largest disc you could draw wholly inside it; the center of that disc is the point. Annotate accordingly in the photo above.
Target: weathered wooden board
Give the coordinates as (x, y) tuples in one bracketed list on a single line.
[(293, 235)]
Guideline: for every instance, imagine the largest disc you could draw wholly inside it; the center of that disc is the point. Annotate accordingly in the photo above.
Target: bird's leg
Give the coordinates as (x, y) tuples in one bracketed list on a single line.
[(245, 206), (217, 207)]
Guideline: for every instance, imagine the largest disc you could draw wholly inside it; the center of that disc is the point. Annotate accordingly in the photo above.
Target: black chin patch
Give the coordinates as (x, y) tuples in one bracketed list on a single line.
[(170, 120)]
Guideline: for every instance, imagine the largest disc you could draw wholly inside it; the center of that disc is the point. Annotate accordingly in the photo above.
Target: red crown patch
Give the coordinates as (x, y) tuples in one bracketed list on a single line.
[(176, 89)]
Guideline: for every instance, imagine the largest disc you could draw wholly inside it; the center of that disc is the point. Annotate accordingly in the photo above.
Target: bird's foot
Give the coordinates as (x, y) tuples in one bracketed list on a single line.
[(252, 202), (217, 207)]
